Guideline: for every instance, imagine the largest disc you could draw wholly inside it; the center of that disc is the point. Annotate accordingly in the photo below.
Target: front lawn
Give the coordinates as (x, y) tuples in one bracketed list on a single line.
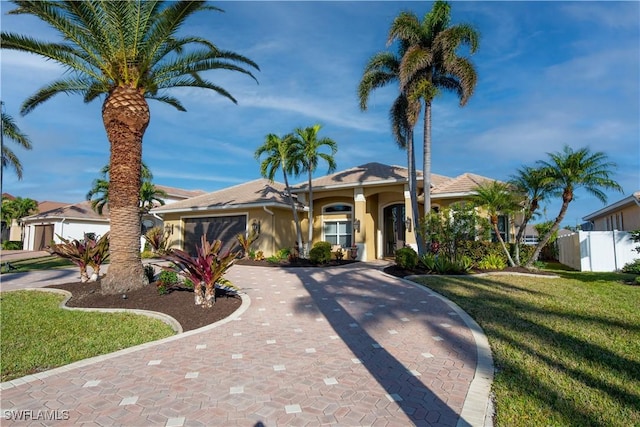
[(38, 335), (566, 350), (40, 263)]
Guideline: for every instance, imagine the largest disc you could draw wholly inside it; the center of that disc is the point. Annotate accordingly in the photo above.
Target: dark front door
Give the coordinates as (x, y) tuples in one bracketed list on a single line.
[(223, 228), (394, 228)]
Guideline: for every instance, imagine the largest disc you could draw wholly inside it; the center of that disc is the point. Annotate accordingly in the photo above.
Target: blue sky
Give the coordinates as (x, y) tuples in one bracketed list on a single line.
[(550, 73)]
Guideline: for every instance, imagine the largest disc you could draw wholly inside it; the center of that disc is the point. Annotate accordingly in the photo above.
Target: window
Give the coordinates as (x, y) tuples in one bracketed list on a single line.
[(337, 209), (503, 227), (338, 233)]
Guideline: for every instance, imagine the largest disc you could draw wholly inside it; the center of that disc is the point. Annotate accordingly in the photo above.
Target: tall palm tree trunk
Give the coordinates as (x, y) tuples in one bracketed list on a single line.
[(413, 191), (125, 114), (295, 213), (310, 234), (494, 224), (426, 171)]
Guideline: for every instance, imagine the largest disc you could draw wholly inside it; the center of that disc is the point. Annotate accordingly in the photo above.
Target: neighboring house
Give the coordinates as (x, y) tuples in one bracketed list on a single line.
[(260, 205), (73, 221), (363, 206), (623, 215), (70, 222)]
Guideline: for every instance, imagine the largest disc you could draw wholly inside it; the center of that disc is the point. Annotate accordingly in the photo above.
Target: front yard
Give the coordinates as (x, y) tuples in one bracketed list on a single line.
[(566, 350)]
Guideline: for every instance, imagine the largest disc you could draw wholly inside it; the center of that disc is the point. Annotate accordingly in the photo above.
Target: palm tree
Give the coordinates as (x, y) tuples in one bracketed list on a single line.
[(279, 154), (570, 170), (536, 187), (496, 198), (382, 69), (307, 148), (17, 208), (129, 51), (12, 132), (431, 64), (149, 193)]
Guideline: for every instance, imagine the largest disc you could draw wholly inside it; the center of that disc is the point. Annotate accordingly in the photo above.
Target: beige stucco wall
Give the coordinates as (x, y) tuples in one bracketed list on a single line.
[(277, 231), (626, 218)]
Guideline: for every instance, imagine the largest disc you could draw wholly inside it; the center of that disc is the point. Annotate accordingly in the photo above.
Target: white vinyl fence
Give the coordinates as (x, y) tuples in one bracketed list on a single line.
[(597, 250)]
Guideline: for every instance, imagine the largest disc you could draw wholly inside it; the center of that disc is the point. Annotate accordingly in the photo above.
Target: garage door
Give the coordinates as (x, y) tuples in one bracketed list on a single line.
[(223, 228)]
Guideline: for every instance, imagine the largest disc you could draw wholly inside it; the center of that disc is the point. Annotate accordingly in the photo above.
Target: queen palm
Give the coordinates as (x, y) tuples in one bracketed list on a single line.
[(129, 51), (279, 153), (430, 64), (307, 151), (12, 132), (570, 170), (383, 69)]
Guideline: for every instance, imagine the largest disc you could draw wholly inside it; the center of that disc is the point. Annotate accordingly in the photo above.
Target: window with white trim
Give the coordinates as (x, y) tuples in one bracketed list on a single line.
[(338, 232)]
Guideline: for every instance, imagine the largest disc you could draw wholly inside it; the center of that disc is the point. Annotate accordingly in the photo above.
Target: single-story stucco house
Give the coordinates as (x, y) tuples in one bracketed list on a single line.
[(364, 206)]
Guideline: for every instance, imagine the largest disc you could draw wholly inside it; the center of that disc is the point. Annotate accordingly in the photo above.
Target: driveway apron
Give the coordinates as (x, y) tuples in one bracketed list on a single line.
[(344, 346)]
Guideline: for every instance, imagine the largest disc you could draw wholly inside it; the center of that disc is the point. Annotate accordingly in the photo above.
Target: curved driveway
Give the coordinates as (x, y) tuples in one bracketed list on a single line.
[(340, 346)]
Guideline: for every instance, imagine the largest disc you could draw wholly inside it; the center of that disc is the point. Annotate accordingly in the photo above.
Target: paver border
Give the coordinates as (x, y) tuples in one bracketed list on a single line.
[(246, 302), (477, 409)]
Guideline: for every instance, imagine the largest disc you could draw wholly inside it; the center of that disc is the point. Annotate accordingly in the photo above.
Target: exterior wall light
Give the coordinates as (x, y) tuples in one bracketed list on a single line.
[(356, 225)]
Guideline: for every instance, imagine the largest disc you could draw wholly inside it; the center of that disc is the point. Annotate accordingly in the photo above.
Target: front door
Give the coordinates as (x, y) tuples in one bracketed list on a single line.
[(394, 229)]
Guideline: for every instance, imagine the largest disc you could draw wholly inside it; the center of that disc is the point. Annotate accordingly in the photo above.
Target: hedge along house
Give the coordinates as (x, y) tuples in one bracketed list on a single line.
[(366, 206), (369, 206), (260, 205)]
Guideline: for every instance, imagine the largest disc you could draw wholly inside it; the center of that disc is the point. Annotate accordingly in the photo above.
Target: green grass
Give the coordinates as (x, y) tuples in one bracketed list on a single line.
[(38, 335), (567, 350), (40, 263)]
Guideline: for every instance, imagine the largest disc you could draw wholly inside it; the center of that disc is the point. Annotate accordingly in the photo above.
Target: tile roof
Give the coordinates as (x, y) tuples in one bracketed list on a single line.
[(179, 193), (464, 183), (258, 192), (80, 210)]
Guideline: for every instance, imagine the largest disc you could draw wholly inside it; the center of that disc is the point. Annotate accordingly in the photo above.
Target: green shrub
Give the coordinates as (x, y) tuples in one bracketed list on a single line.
[(12, 245), (283, 253), (168, 278), (632, 267), (187, 284), (406, 258), (162, 288), (428, 262), (492, 262), (147, 255), (320, 253)]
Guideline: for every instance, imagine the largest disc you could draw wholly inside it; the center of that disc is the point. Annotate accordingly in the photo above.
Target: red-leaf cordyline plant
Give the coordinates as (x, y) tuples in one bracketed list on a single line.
[(158, 239), (206, 268), (88, 252)]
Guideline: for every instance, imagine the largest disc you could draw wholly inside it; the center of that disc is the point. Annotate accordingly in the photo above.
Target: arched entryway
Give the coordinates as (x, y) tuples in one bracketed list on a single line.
[(394, 228)]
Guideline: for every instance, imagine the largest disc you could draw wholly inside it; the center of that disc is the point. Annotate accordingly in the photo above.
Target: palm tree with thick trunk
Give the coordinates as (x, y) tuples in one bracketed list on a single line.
[(382, 69), (430, 63), (569, 170), (307, 152), (129, 51), (497, 198), (279, 154), (12, 132)]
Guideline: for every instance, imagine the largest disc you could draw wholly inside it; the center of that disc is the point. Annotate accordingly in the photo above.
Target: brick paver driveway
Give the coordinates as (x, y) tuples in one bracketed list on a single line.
[(339, 346)]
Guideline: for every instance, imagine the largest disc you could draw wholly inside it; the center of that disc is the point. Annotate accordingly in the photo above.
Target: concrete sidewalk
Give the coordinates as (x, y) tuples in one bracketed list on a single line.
[(338, 346)]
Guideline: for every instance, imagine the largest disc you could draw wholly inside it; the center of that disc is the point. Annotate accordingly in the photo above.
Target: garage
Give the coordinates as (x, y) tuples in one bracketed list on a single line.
[(223, 228)]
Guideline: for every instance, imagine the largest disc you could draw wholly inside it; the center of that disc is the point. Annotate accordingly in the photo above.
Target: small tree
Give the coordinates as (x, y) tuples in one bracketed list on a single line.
[(205, 269)]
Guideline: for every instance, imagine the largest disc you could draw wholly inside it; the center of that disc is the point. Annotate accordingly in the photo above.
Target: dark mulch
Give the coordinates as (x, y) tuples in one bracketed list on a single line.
[(397, 271), (300, 262), (178, 304)]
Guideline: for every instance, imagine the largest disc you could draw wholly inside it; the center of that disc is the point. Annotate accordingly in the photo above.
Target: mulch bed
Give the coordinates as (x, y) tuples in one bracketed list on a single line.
[(178, 304), (300, 262)]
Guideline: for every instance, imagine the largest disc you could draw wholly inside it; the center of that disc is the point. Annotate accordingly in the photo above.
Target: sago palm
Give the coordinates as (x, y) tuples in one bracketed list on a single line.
[(279, 153), (431, 64), (11, 132), (307, 151), (570, 170), (129, 51)]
